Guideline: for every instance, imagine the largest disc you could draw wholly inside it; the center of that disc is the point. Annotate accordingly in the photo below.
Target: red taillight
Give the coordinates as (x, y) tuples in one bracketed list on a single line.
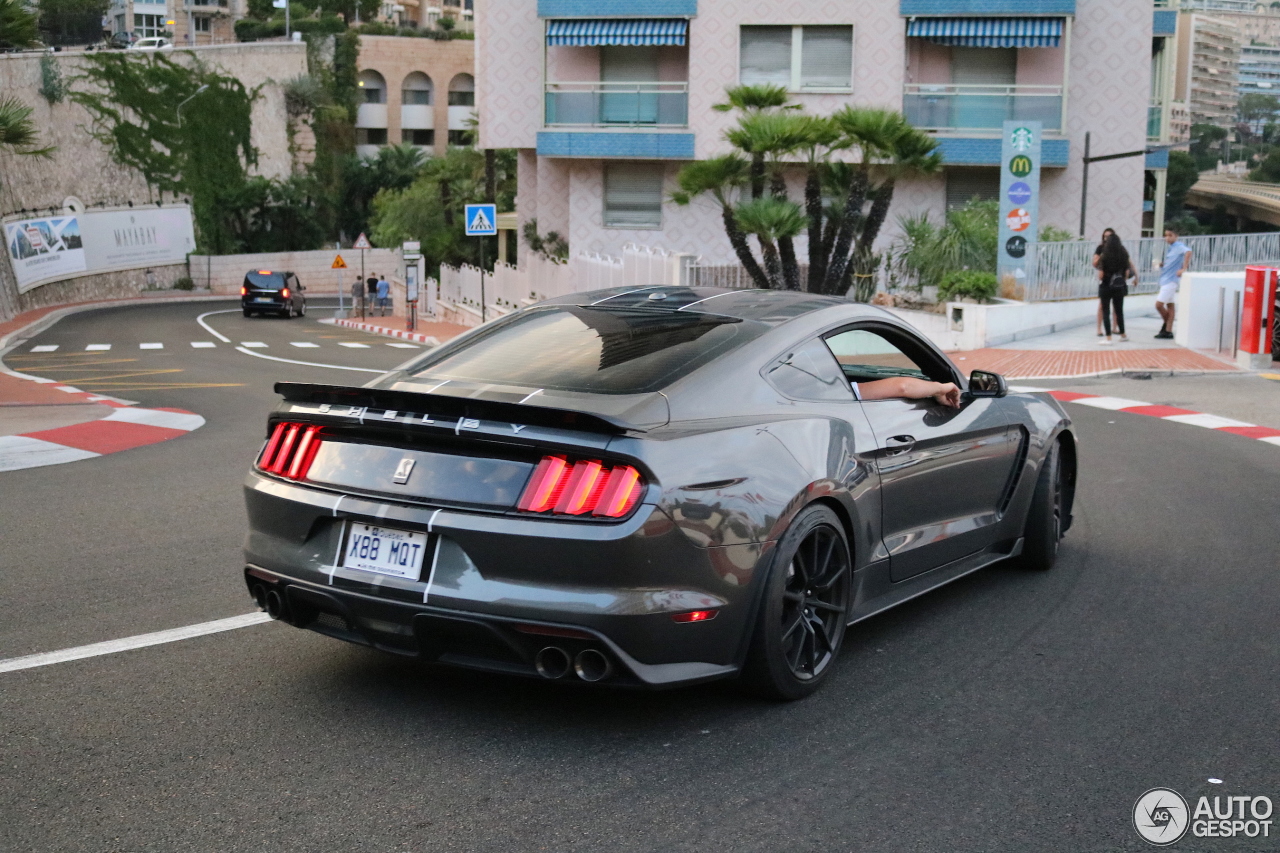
[(584, 487), (285, 293), (290, 450), (694, 616), (244, 291)]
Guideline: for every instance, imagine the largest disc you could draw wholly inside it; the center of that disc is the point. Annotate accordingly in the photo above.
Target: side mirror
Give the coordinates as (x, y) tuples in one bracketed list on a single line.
[(983, 383)]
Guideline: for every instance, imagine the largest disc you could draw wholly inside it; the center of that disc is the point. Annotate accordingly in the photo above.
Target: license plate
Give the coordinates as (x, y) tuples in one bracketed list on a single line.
[(264, 299), (384, 551)]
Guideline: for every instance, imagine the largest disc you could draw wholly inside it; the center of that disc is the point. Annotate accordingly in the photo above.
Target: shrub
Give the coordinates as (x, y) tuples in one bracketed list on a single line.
[(184, 283), (973, 284)]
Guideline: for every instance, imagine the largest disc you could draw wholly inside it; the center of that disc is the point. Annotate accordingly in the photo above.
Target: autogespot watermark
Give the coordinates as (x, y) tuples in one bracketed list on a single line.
[(1162, 817)]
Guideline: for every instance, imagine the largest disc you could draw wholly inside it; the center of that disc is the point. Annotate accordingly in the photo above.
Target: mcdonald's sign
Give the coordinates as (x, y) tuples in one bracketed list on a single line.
[(1021, 166)]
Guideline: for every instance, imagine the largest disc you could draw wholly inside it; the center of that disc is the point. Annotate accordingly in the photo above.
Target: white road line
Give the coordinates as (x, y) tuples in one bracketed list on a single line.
[(70, 389), (203, 344), (1209, 421), (252, 345), (141, 641), (404, 346), (1272, 439), (210, 329), (20, 451), (304, 344), (45, 348), (97, 347), (1112, 403), (150, 346), (308, 363), (349, 344)]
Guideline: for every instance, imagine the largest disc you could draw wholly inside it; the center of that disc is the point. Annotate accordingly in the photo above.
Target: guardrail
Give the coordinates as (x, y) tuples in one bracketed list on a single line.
[(947, 106), (601, 104)]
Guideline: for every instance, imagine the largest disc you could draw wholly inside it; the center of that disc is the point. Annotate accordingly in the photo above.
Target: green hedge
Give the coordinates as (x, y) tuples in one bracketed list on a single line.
[(248, 29), (376, 29), (974, 284)]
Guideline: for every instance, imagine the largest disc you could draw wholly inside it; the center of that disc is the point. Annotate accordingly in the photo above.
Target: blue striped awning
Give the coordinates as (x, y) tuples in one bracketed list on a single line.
[(630, 31), (988, 32)]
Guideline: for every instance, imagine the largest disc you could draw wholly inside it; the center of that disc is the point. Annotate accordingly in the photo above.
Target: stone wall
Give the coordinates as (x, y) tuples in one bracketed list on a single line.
[(225, 273), (121, 284), (83, 168)]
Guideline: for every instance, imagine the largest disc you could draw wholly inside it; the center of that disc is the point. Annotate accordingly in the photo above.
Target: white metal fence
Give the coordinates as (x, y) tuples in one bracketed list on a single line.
[(1065, 271)]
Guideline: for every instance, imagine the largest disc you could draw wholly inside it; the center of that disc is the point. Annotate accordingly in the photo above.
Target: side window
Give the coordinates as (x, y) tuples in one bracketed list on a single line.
[(809, 373), (865, 356)]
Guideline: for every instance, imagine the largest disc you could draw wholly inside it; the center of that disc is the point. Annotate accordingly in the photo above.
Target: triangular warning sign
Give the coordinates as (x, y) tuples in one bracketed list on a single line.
[(362, 242), (338, 263), (480, 222)]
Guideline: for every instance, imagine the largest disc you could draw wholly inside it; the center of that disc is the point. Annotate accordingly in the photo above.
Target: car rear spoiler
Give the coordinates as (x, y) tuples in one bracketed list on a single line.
[(452, 407)]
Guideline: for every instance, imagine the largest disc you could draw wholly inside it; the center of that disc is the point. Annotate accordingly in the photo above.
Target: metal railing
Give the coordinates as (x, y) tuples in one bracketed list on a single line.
[(600, 104), (1065, 270), (946, 106)]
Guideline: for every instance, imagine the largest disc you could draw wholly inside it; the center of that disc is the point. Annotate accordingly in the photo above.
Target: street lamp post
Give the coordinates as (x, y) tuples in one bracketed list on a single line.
[(184, 103)]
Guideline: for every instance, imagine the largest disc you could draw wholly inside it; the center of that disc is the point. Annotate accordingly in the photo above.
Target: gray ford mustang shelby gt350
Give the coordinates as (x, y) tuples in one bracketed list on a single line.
[(648, 487)]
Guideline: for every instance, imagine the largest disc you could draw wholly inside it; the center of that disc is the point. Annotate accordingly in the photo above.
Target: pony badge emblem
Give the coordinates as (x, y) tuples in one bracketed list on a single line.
[(403, 470)]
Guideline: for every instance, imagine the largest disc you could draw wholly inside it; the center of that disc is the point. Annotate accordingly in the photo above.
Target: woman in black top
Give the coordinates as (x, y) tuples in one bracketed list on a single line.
[(1114, 266), (1097, 253)]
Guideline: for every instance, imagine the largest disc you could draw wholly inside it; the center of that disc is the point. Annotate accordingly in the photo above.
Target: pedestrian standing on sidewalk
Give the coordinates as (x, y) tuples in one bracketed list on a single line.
[(1114, 267), (384, 295), (1176, 260), (1097, 258), (357, 296)]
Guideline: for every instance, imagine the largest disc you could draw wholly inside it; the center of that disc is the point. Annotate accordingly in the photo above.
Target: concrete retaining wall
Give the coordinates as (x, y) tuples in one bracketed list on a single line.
[(225, 273), (121, 284)]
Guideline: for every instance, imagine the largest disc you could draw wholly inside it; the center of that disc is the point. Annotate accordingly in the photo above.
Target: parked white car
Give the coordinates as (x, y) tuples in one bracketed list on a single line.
[(154, 43)]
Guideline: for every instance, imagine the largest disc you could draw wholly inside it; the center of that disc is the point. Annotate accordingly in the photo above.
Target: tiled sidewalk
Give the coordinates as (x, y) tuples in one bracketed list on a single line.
[(430, 333), (1028, 364)]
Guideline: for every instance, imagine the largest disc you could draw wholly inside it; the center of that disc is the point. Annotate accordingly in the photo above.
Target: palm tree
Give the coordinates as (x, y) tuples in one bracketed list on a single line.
[(772, 220), (17, 131), (722, 177), (17, 25)]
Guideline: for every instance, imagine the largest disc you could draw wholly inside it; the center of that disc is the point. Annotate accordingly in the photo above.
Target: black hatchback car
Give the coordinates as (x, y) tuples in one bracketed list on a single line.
[(280, 293)]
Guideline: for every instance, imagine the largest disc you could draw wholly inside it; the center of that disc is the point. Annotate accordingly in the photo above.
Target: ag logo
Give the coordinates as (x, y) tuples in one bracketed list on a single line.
[(1018, 219), (1160, 816), (1020, 166), (1015, 247)]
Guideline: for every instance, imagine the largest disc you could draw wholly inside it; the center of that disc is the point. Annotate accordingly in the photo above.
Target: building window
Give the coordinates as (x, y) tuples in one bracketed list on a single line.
[(373, 86), (967, 184), (418, 137), (462, 91), (460, 138), (800, 58), (202, 24), (148, 26), (416, 90), (633, 195), (371, 136)]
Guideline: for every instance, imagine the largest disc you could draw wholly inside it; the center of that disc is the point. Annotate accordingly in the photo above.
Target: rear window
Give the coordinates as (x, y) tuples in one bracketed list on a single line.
[(267, 281), (614, 351)]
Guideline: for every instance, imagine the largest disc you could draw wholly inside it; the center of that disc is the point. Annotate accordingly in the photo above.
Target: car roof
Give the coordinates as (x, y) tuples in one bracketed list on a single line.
[(771, 307)]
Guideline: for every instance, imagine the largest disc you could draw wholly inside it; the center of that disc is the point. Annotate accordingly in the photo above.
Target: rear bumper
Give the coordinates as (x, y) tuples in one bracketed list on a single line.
[(496, 589)]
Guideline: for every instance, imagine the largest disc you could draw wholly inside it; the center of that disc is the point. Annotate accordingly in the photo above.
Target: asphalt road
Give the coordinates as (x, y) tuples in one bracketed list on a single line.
[(1008, 711)]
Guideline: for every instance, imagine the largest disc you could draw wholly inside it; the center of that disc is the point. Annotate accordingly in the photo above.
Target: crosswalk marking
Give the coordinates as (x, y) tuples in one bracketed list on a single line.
[(253, 344), (45, 348), (203, 344), (351, 345), (97, 347), (150, 346), (404, 346), (304, 344)]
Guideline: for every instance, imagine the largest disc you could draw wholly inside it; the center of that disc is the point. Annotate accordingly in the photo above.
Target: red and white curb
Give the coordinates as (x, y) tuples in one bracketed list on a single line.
[(1164, 413), (125, 428), (429, 340)]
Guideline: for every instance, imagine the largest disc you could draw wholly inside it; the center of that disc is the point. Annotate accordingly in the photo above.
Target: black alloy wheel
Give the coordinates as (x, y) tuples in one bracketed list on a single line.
[(1045, 518), (802, 619)]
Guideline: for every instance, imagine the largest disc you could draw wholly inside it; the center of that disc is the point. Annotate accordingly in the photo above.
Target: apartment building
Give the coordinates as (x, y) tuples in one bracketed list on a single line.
[(1208, 68), (187, 22), (606, 99), (414, 90)]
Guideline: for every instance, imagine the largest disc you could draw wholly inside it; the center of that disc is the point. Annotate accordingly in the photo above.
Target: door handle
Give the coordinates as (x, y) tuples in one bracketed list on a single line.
[(900, 444)]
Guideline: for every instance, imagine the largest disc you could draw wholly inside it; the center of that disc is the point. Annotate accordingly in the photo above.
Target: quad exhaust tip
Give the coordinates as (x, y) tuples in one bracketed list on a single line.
[(552, 662), (275, 605), (591, 665), (259, 593)]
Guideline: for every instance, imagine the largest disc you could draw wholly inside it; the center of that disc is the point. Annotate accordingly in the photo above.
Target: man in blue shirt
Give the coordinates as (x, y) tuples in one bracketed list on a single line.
[(384, 295), (1176, 260)]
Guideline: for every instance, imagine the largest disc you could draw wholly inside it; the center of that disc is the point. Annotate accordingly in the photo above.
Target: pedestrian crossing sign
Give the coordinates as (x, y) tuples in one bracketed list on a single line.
[(481, 220)]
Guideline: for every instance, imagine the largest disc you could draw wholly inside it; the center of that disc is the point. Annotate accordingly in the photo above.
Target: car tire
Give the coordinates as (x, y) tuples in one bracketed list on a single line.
[(248, 313), (287, 313), (302, 310), (1044, 528), (800, 625)]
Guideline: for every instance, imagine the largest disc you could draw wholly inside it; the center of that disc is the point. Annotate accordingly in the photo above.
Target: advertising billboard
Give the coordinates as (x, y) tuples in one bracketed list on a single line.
[(1019, 205), (55, 248)]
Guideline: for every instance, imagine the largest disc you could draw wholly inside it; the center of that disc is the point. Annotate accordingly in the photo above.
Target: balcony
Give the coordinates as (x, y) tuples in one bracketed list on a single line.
[(599, 104), (953, 107)]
